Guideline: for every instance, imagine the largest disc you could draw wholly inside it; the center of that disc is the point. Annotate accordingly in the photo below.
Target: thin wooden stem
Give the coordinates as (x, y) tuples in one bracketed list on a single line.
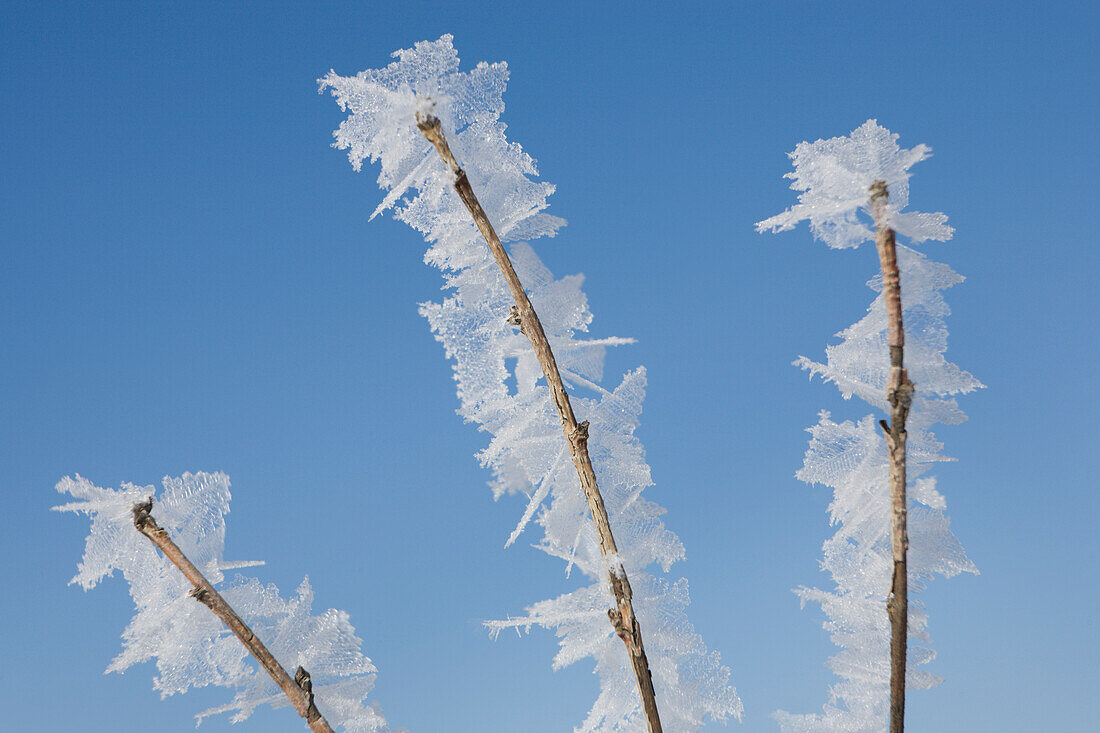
[(299, 688), (523, 315), (899, 393)]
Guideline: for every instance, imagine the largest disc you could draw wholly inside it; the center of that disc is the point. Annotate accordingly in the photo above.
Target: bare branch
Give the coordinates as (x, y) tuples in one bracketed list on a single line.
[(899, 393), (576, 434), (300, 688)]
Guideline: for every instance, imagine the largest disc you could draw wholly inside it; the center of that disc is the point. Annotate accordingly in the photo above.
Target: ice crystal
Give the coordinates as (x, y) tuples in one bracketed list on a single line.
[(833, 176), (190, 645), (527, 453), (850, 457)]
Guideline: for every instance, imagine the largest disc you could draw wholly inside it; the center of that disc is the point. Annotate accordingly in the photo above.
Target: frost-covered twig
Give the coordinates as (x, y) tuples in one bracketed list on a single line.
[(503, 390), (843, 184), (524, 317), (899, 393), (190, 645), (298, 690)]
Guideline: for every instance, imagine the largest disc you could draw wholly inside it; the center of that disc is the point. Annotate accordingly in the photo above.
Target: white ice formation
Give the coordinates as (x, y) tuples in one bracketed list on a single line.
[(527, 452), (833, 177), (190, 645)]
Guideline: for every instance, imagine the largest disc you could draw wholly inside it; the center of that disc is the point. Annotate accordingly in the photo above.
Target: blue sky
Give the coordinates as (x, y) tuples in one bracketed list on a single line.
[(190, 283)]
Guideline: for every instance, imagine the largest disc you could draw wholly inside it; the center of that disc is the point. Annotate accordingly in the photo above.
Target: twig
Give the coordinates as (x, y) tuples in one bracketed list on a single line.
[(899, 393), (523, 315), (300, 688)]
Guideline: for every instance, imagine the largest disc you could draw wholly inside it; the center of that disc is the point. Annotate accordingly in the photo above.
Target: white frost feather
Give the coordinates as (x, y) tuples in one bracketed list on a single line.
[(833, 177)]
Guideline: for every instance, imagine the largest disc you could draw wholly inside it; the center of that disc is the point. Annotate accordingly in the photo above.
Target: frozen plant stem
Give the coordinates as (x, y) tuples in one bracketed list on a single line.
[(299, 688), (576, 434), (899, 393)]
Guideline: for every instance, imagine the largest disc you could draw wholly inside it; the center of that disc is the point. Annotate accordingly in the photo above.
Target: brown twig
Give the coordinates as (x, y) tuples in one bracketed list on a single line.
[(899, 393), (300, 688), (523, 315)]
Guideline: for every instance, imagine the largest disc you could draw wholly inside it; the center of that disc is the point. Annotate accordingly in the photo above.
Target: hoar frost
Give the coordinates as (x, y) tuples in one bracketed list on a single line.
[(833, 177), (527, 452), (191, 646)]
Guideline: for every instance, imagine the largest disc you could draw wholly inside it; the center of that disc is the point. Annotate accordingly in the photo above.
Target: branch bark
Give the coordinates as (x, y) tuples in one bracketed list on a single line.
[(300, 688), (523, 315), (899, 393)]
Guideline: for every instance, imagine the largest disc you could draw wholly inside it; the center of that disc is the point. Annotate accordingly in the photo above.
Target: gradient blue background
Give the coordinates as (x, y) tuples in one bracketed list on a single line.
[(189, 282)]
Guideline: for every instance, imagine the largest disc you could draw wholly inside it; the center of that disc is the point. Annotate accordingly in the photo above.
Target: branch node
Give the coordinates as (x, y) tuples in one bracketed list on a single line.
[(202, 596), (305, 682), (580, 433), (904, 393), (142, 518), (428, 123), (616, 618), (515, 319)]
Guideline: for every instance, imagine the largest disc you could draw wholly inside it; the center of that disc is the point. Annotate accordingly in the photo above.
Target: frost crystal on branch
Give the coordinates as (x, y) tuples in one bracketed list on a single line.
[(190, 645), (527, 452), (833, 177)]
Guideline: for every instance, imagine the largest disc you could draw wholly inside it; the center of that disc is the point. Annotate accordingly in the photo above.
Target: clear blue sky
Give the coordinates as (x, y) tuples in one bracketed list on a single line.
[(189, 282)]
